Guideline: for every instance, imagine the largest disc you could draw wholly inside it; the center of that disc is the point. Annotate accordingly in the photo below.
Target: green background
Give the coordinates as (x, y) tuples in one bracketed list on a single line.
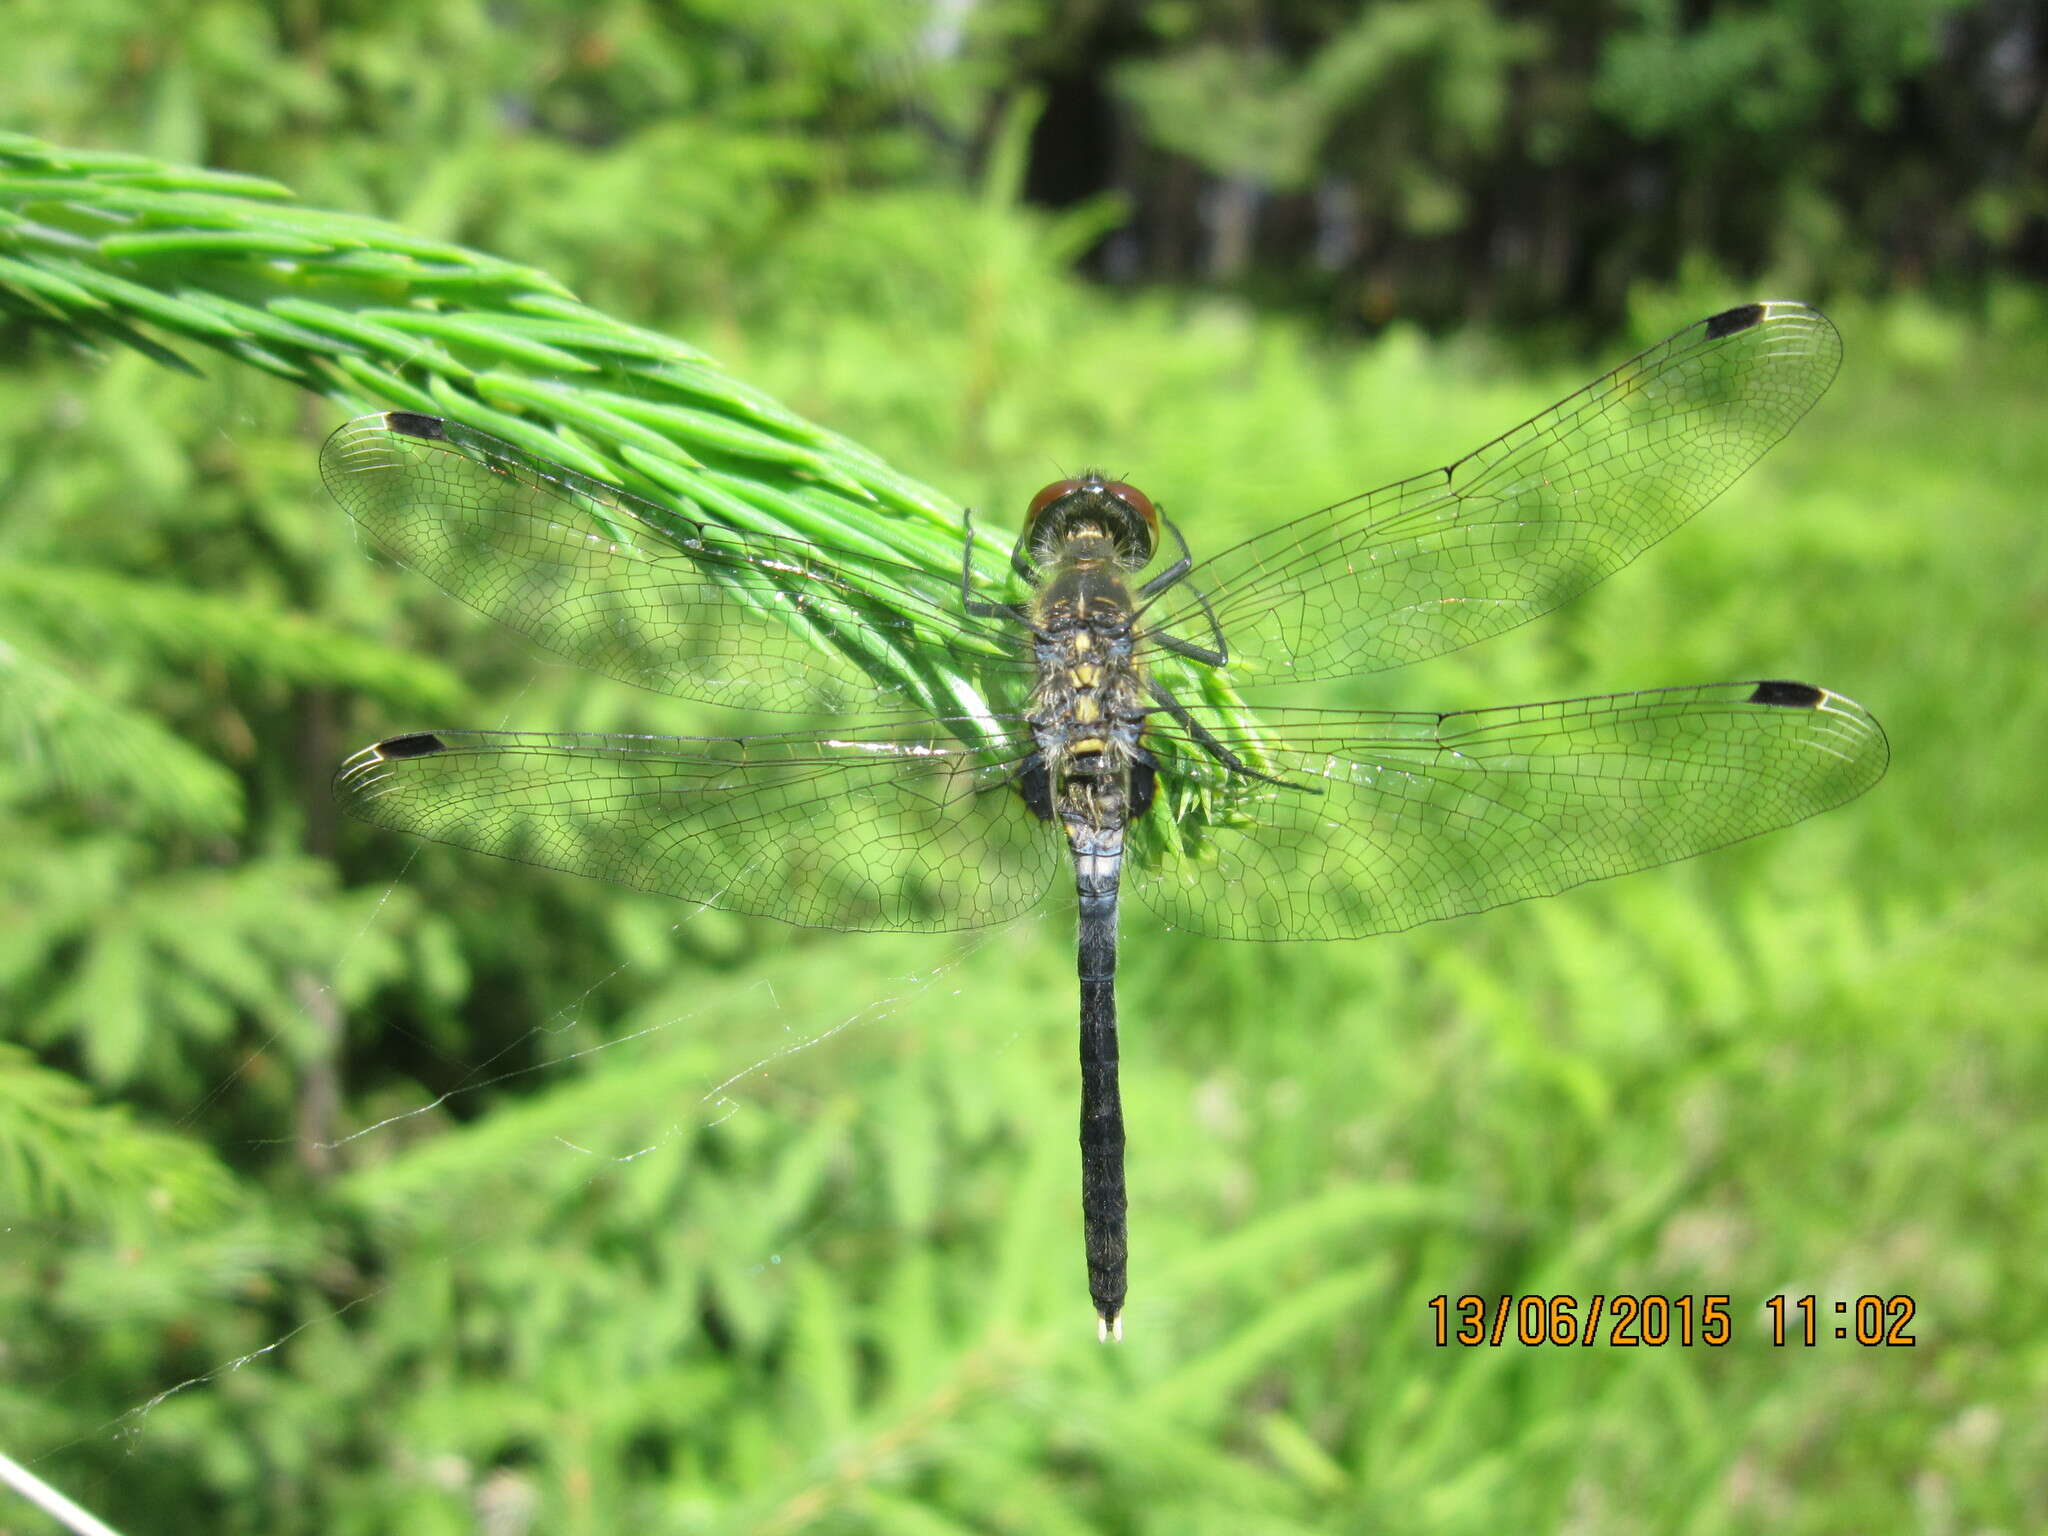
[(353, 1186)]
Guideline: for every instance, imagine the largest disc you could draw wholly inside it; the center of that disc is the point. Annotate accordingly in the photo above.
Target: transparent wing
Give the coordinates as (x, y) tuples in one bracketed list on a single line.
[(1430, 564), (1407, 818), (880, 827), (641, 593)]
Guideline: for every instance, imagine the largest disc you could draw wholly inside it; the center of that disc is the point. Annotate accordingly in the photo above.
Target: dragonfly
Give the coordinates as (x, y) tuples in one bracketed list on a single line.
[(1085, 711)]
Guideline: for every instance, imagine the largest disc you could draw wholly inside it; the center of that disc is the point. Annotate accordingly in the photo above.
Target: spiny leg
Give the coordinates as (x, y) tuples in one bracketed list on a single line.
[(1174, 572), (1202, 653), (1020, 563), (1203, 738), (971, 604), (1172, 576)]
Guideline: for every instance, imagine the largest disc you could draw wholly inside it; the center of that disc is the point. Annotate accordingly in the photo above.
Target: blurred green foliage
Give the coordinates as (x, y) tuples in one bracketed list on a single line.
[(1446, 159), (347, 1186)]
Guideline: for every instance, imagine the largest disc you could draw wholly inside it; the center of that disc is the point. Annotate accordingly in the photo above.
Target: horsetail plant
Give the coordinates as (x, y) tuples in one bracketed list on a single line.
[(114, 248)]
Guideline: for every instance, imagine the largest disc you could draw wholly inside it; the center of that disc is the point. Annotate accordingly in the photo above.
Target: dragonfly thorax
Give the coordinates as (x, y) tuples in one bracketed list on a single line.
[(1087, 706)]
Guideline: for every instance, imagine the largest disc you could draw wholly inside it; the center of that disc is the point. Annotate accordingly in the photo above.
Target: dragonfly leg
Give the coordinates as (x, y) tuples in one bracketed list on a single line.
[(1020, 562), (1175, 572), (1217, 655), (971, 604), (1203, 738)]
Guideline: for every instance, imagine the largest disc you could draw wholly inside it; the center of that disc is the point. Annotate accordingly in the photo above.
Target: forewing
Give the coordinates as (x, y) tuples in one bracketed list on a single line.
[(889, 827), (640, 593), (1399, 819), (1433, 563)]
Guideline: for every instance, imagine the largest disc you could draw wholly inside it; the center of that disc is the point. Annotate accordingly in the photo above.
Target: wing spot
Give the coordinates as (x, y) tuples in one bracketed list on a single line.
[(418, 744), (413, 424), (1729, 321), (1788, 695)]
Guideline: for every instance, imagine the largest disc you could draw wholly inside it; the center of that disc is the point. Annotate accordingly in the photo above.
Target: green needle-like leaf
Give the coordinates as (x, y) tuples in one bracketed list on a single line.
[(369, 315)]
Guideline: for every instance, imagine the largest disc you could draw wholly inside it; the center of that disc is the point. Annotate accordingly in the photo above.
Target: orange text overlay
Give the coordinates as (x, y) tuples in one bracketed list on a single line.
[(1634, 1321)]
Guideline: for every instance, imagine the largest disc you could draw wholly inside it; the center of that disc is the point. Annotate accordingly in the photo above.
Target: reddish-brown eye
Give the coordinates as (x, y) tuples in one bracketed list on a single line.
[(1136, 500), (1051, 494)]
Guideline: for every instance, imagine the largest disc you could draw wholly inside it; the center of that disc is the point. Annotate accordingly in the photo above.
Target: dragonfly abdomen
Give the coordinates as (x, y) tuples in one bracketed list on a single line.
[(1098, 864)]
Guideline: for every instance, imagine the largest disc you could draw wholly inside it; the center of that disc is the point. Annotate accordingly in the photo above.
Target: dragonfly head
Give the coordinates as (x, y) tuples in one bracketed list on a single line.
[(1091, 508)]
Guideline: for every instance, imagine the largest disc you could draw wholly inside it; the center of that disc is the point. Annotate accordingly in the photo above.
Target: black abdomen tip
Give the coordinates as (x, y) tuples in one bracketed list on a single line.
[(1789, 695), (418, 744), (1729, 321), (413, 424)]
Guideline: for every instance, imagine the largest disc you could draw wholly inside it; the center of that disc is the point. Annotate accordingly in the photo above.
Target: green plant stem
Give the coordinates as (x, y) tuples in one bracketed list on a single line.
[(123, 248), (127, 249)]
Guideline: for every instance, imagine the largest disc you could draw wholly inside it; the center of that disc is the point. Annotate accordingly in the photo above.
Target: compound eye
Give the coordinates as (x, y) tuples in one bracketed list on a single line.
[(1137, 501), (1059, 490)]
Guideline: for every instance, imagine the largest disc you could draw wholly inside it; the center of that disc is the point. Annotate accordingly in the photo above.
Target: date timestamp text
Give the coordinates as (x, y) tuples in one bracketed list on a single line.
[(1628, 1321)]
